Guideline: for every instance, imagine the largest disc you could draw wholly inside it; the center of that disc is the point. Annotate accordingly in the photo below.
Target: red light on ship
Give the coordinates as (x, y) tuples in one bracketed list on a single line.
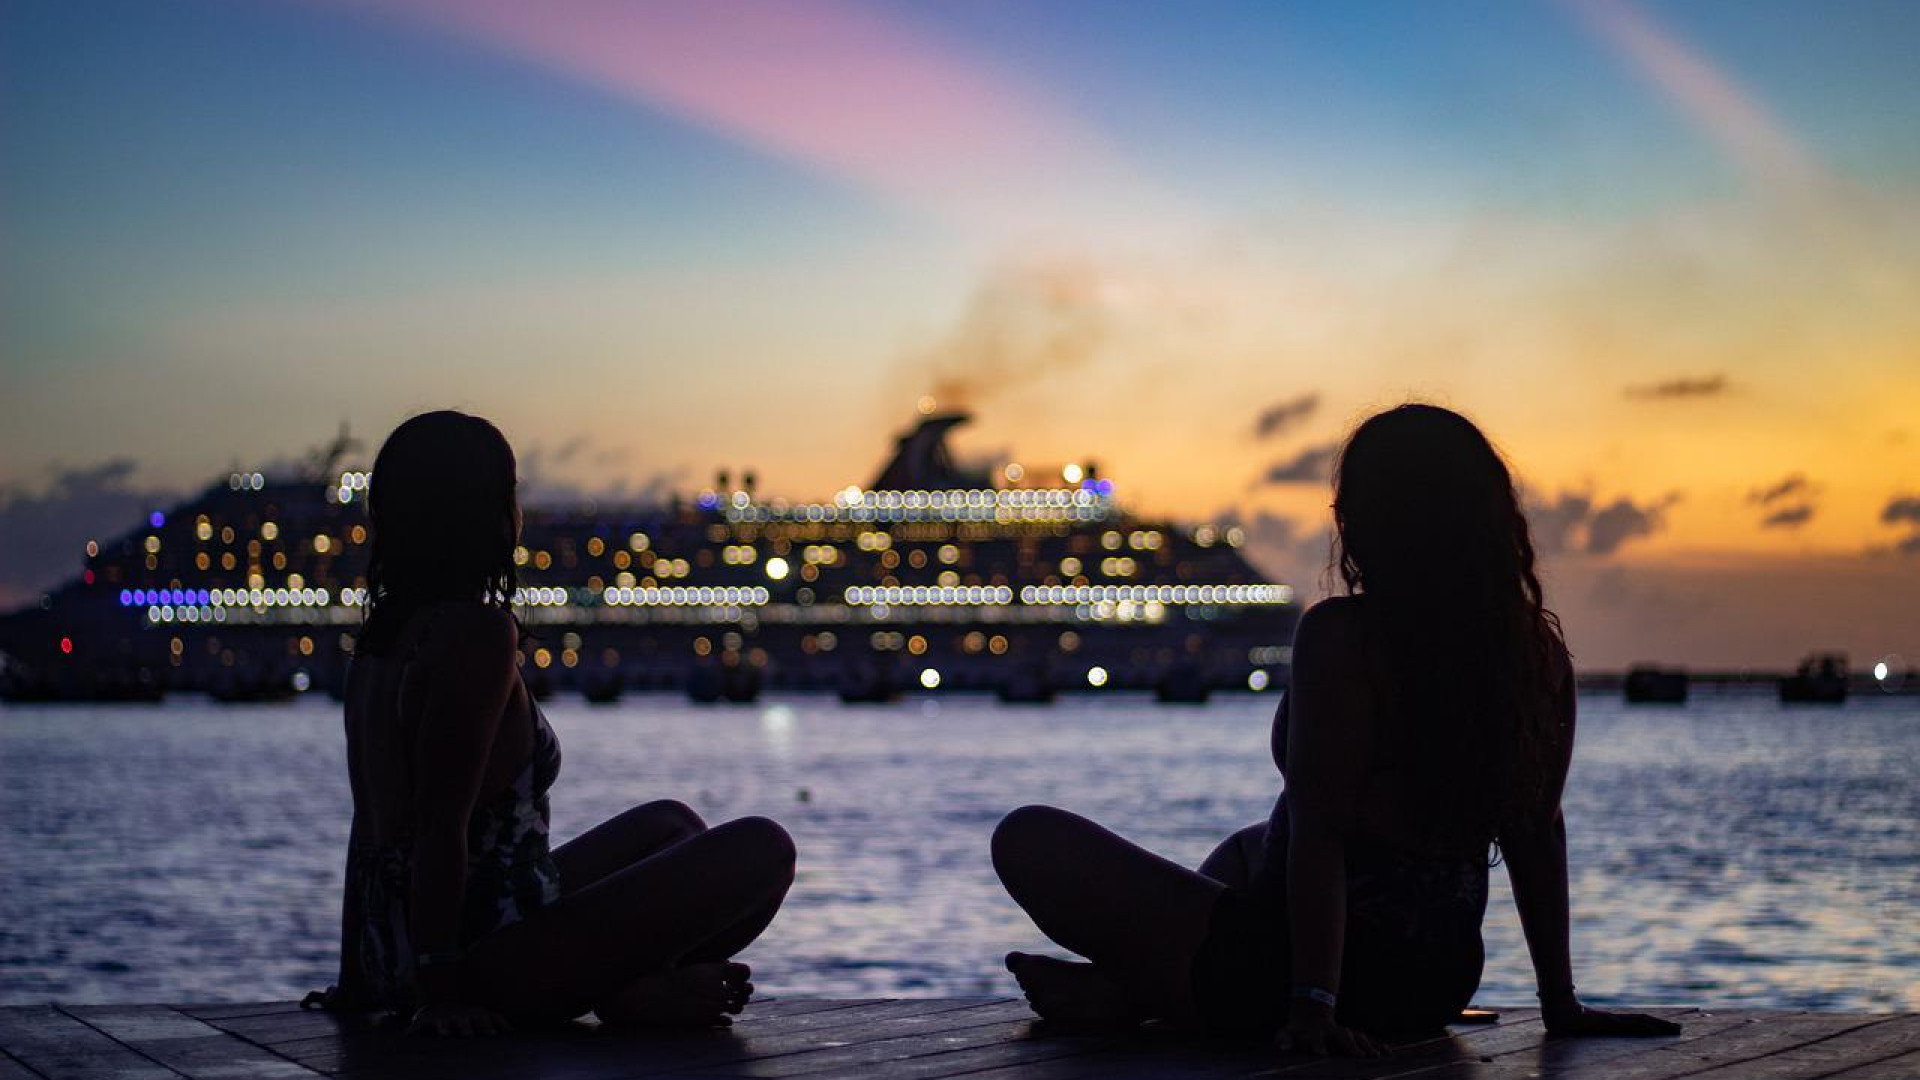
[(66, 646), (87, 577)]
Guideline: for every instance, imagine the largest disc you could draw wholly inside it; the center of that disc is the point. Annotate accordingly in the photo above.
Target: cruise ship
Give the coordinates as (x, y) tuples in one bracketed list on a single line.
[(934, 578)]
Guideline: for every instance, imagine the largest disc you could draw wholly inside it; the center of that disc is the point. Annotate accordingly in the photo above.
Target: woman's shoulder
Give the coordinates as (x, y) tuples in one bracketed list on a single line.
[(1331, 639), (1335, 620)]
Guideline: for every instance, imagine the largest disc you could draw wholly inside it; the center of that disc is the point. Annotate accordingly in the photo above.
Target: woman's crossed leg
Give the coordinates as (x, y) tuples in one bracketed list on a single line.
[(1138, 918), (655, 905)]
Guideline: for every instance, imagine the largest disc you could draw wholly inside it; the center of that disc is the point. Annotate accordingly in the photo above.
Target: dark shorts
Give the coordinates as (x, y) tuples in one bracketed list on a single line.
[(1240, 972), (1392, 986)]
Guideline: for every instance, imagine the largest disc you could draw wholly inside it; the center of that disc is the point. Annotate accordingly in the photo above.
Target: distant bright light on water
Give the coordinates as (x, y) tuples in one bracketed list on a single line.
[(302, 682), (1880, 671), (930, 678), (1257, 681), (777, 568), (1096, 676), (777, 717)]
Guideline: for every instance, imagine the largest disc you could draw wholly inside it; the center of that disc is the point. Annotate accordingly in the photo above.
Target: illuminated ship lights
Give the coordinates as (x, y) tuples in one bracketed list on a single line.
[(931, 560), (165, 605), (1011, 506)]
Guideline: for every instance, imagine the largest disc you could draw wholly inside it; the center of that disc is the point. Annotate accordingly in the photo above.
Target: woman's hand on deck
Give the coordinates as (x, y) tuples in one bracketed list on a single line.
[(456, 1018), (1577, 1019), (1312, 1030)]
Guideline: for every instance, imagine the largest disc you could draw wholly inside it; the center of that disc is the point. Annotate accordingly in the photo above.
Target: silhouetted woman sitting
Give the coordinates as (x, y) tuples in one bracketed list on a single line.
[(1431, 716), (455, 908)]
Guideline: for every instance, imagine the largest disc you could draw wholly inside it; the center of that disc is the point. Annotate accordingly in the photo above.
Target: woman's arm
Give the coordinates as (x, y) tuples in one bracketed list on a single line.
[(469, 669), (1328, 747), (1537, 865)]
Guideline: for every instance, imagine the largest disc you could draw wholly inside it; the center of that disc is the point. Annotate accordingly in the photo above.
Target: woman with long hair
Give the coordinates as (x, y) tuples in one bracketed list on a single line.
[(456, 910), (1430, 720)]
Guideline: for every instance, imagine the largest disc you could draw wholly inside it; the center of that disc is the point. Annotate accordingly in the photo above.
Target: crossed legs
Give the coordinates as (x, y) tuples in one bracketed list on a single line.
[(655, 905), (1139, 919)]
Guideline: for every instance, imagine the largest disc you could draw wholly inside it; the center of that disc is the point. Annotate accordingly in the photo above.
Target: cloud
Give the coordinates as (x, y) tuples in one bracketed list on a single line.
[(1672, 389), (1902, 509), (1731, 610), (42, 532), (577, 471), (840, 87), (1277, 418), (1283, 547), (1788, 517), (1574, 522), (1623, 520), (1788, 502), (1023, 323), (1310, 466), (1796, 484), (1720, 107)]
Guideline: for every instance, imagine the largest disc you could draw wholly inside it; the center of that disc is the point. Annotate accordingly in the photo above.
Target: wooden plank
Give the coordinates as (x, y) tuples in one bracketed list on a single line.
[(865, 1012), (1157, 1055), (275, 1028), (915, 1018), (58, 1047), (1153, 1055), (648, 1053), (1526, 1047), (1716, 1040), (1144, 1057), (1899, 1067), (1756, 1037), (908, 1039), (141, 1023), (1148, 1054), (185, 1044), (882, 1057), (1528, 1054), (329, 1053), (215, 1011), (767, 1008), (1880, 1038)]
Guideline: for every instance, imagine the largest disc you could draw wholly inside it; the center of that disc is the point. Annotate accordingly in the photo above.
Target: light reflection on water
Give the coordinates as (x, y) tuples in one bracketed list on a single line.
[(1731, 852)]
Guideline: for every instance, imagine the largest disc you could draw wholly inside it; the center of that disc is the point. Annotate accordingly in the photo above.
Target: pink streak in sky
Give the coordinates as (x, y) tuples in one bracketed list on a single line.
[(1717, 104), (827, 83)]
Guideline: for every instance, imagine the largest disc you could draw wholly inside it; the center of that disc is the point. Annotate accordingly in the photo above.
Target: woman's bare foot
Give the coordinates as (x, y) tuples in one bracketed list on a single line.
[(694, 996), (1071, 993)]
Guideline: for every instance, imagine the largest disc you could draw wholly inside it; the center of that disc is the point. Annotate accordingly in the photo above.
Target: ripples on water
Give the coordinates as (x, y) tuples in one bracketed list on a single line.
[(1732, 852)]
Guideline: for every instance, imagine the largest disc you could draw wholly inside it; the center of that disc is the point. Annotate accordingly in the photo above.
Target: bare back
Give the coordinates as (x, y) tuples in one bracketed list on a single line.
[(1360, 773), (387, 696)]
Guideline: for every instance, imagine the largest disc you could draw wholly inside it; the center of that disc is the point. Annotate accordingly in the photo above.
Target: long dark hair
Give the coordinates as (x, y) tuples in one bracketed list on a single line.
[(443, 511), (1430, 530)]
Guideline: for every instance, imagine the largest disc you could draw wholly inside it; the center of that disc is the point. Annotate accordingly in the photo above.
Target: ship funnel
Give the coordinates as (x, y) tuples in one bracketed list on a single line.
[(922, 462)]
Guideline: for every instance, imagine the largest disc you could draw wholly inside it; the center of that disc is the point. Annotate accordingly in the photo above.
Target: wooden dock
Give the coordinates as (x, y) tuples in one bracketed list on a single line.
[(908, 1039)]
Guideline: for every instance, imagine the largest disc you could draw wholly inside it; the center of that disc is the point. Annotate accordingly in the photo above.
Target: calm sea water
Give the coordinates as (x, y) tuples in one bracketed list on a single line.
[(1732, 851)]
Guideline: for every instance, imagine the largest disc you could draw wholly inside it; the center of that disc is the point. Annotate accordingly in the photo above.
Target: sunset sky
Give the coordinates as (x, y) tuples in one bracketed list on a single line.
[(1668, 255)]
